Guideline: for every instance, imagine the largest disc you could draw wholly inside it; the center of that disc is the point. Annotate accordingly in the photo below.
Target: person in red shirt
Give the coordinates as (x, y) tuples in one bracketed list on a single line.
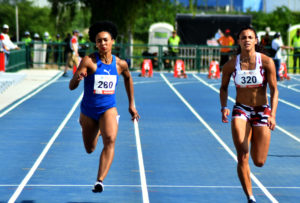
[(2, 45), (225, 40), (73, 57)]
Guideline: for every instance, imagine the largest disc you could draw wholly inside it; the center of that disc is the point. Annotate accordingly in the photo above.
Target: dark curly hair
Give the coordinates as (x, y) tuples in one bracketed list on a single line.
[(101, 26), (258, 46)]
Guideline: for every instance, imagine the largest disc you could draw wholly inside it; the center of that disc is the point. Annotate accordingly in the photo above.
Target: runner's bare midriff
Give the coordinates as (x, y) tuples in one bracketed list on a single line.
[(252, 96)]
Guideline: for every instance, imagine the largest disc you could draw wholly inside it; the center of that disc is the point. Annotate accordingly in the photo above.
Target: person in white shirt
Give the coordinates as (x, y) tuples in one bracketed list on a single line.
[(2, 46), (277, 45), (7, 42)]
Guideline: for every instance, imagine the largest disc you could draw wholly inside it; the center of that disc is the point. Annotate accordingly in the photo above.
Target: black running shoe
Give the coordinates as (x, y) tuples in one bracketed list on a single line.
[(251, 201), (98, 187)]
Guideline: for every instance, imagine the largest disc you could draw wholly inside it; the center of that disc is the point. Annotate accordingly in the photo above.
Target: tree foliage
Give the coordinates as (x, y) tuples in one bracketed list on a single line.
[(159, 11), (134, 16), (32, 19), (279, 20), (69, 15), (122, 13)]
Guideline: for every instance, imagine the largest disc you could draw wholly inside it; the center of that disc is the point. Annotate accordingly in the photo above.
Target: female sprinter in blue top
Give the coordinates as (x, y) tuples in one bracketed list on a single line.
[(99, 115), (252, 117)]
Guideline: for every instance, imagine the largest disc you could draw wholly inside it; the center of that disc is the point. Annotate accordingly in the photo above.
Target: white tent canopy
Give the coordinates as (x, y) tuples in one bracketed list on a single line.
[(159, 34)]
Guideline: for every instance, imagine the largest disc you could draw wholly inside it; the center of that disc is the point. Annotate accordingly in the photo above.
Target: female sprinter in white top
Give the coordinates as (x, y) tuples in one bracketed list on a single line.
[(252, 116)]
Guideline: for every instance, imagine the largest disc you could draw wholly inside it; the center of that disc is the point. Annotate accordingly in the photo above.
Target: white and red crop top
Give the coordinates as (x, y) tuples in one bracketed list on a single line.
[(249, 78)]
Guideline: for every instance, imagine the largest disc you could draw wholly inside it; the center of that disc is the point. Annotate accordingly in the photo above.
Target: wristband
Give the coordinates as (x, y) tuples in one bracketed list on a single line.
[(224, 107)]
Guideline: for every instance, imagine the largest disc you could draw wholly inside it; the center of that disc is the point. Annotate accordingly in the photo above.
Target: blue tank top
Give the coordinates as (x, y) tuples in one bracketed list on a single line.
[(99, 87)]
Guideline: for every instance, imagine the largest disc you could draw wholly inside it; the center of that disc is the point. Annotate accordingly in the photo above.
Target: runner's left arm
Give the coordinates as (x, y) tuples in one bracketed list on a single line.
[(129, 88), (271, 77)]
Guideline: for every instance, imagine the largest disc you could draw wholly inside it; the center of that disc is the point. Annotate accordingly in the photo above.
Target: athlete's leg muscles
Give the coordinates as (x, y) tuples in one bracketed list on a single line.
[(90, 132), (260, 143), (241, 135), (109, 130)]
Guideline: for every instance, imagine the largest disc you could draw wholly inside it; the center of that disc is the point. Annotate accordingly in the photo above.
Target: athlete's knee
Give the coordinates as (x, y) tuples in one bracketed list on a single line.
[(109, 141), (243, 158), (259, 162), (89, 147), (90, 150)]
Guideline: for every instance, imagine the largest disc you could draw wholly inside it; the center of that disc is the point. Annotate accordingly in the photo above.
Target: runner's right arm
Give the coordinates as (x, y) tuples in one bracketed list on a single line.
[(226, 74), (80, 73)]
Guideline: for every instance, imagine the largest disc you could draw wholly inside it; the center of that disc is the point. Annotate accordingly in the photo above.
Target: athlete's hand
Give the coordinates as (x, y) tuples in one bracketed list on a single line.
[(81, 76), (225, 114), (134, 113), (271, 122)]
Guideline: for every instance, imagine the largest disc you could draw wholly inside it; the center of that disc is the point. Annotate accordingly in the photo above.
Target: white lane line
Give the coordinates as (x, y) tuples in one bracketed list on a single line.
[(233, 100), (150, 186), (288, 133), (295, 78), (258, 183), (294, 85), (44, 152), (185, 82), (31, 94), (287, 103), (288, 87), (141, 162), (146, 82)]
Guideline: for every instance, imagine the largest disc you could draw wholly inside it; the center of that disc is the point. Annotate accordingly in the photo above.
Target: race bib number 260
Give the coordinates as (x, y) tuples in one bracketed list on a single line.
[(105, 84)]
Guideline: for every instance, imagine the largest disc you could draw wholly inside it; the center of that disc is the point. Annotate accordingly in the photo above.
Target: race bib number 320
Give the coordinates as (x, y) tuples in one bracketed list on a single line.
[(105, 84)]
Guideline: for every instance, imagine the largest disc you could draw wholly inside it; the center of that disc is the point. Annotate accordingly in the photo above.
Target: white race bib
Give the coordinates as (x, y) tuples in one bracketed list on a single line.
[(105, 84), (248, 78)]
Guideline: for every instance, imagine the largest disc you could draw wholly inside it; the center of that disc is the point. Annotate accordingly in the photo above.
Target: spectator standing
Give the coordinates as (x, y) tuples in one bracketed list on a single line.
[(266, 39), (47, 39), (2, 46), (67, 47), (225, 40), (36, 37), (173, 43), (73, 57), (7, 42), (57, 49), (27, 41), (277, 45), (82, 45), (218, 34), (296, 45)]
